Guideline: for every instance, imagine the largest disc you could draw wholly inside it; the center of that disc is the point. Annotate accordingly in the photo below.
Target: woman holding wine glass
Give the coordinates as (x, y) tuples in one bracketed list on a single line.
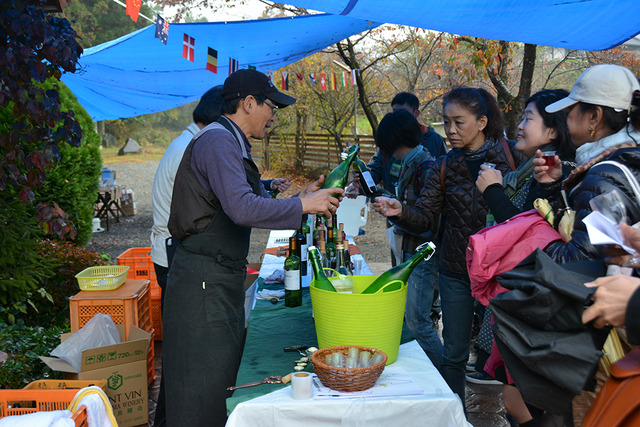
[(475, 129), (604, 124)]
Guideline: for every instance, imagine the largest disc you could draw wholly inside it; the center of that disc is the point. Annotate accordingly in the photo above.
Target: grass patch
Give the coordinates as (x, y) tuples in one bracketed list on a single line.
[(150, 153)]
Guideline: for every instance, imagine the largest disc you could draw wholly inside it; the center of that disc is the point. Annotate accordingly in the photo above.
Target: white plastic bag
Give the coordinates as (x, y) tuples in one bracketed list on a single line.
[(395, 241), (98, 332)]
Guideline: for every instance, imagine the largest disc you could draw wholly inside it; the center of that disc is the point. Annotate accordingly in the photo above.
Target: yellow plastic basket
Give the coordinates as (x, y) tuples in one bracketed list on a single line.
[(367, 320), (102, 278)]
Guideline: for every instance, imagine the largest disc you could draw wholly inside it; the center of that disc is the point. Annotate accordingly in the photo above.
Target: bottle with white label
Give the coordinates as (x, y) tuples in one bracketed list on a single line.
[(367, 184), (292, 277)]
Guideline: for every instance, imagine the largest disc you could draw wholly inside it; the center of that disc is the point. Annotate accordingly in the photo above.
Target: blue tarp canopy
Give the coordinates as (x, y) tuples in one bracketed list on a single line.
[(137, 74), (570, 24)]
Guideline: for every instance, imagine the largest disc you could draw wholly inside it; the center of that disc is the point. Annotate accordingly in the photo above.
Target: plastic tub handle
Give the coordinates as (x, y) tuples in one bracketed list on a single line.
[(402, 283)]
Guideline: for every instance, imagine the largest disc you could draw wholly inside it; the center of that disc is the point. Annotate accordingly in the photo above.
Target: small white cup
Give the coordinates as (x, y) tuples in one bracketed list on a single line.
[(301, 387)]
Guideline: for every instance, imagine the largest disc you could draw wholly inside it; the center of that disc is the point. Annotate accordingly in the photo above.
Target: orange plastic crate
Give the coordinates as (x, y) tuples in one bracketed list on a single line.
[(130, 304), (65, 384), (156, 312), (139, 262), (80, 417), (43, 395)]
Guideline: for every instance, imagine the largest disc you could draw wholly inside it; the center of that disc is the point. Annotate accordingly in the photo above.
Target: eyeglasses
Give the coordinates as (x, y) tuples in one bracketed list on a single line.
[(274, 108)]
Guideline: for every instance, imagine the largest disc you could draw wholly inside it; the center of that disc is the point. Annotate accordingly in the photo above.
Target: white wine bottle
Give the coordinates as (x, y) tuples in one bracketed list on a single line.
[(292, 277), (401, 272)]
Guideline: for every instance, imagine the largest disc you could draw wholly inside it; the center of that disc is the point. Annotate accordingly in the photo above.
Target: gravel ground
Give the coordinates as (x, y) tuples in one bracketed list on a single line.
[(134, 232)]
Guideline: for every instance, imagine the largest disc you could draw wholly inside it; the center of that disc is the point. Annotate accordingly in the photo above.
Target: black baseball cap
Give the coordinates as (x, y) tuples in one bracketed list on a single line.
[(246, 82)]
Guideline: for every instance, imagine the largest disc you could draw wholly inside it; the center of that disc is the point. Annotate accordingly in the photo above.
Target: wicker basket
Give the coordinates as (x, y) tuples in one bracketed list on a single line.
[(346, 379), (102, 278)]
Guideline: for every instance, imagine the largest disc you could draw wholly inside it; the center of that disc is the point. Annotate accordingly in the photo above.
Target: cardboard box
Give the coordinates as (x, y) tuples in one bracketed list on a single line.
[(124, 366), (128, 202)]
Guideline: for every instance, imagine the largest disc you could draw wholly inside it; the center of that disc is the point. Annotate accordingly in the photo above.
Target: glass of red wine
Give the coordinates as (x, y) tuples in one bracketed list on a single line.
[(549, 158)]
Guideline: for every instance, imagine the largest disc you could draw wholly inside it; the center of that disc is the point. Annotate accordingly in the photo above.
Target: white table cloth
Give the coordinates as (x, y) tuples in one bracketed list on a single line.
[(437, 407)]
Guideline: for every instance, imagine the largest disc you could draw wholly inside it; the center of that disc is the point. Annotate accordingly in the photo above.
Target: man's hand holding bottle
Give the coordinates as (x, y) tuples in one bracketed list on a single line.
[(316, 200)]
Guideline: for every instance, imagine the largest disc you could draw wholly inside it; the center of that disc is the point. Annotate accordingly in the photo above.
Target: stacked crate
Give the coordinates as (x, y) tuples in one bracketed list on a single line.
[(141, 267), (130, 304), (43, 395)]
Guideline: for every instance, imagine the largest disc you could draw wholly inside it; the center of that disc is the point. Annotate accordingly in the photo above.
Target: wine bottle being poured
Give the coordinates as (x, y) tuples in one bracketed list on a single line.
[(320, 281), (339, 176), (402, 271)]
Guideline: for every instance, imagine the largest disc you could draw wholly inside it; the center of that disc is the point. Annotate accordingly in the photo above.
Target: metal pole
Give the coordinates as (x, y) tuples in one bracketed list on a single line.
[(355, 115)]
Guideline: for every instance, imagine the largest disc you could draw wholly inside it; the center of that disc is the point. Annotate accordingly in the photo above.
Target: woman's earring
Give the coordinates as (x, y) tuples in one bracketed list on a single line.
[(592, 131)]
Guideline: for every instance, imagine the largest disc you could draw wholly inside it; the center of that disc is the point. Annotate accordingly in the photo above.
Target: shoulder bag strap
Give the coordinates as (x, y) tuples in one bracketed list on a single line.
[(507, 152), (633, 182)]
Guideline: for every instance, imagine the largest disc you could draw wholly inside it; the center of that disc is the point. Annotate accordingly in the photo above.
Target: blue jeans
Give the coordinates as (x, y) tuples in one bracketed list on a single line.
[(418, 308), (457, 318)]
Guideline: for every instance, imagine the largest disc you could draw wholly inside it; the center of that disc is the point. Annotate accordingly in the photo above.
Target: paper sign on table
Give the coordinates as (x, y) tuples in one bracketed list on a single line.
[(394, 381)]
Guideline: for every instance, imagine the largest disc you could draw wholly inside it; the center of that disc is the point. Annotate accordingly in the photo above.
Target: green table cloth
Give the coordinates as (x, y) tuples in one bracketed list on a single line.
[(271, 328)]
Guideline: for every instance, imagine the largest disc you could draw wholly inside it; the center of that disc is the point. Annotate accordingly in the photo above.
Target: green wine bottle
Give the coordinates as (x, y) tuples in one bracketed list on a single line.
[(369, 188), (320, 280), (400, 272), (340, 175), (331, 247), (302, 250), (292, 278)]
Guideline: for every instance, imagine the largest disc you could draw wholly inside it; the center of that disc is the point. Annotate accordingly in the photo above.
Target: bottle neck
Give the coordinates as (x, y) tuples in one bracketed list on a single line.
[(293, 245), (315, 263)]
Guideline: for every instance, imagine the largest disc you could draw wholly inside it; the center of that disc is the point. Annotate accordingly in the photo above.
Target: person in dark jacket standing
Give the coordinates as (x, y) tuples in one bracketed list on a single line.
[(399, 136), (604, 124), (475, 130), (515, 193), (388, 170), (217, 198)]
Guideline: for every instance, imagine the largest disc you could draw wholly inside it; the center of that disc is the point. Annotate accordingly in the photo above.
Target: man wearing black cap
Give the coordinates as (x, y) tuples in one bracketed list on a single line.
[(217, 198)]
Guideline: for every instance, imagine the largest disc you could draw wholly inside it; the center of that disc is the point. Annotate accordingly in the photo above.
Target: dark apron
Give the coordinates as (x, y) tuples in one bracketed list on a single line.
[(204, 318)]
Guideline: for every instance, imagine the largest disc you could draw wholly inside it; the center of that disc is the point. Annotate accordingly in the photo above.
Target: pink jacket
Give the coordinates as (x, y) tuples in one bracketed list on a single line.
[(497, 249)]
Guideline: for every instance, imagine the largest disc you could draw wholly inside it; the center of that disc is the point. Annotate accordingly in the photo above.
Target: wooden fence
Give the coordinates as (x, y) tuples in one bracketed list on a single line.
[(317, 150)]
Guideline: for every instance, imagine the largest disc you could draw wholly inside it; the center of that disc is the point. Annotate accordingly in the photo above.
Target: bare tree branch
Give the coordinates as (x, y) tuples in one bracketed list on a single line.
[(555, 68)]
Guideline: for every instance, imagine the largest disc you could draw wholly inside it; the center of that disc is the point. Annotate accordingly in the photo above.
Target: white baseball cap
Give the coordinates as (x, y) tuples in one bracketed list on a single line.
[(606, 85)]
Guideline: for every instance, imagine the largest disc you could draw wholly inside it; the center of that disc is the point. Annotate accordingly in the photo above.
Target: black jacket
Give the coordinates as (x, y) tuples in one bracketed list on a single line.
[(462, 204), (597, 180)]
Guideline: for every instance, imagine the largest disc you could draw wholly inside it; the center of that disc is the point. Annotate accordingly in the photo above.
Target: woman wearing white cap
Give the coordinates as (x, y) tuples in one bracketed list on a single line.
[(604, 124)]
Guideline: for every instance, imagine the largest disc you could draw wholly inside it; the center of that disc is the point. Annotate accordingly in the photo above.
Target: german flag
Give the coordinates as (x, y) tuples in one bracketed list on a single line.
[(332, 81), (212, 61)]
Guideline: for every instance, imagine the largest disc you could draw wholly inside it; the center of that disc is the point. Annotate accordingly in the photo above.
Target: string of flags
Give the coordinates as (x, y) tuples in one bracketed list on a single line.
[(327, 81)]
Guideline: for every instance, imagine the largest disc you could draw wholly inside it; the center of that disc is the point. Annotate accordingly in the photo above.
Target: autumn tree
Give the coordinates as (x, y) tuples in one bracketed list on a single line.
[(510, 74), (418, 64), (99, 21)]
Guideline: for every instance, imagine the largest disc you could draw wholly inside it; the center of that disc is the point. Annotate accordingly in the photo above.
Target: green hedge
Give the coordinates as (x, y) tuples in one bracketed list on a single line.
[(73, 182)]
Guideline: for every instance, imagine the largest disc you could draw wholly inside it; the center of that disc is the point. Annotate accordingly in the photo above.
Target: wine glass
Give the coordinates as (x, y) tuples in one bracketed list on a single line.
[(611, 205)]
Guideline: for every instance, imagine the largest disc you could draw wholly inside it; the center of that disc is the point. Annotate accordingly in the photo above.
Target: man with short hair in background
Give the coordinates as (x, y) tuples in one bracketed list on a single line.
[(388, 171)]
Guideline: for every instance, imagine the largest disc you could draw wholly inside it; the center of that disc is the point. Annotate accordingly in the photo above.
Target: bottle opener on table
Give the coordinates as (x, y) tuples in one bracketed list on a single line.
[(274, 379)]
